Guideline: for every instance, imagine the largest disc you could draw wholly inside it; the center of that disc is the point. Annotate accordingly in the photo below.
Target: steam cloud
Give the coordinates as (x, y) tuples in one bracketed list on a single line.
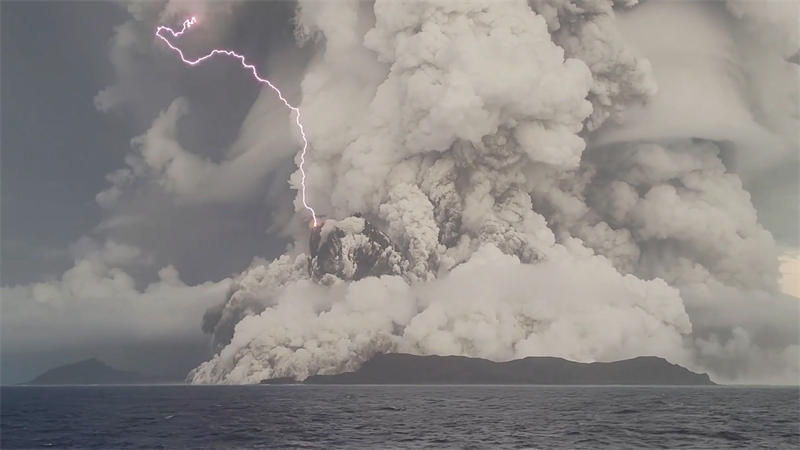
[(461, 128)]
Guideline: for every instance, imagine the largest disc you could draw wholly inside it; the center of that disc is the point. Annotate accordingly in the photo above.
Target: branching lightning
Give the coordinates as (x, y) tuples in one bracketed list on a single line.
[(193, 62)]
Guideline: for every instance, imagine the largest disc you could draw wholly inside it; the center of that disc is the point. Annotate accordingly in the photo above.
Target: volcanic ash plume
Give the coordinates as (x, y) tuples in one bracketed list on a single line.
[(448, 140)]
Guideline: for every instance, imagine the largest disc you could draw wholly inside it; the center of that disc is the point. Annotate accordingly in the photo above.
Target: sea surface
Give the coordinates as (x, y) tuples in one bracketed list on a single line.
[(223, 417)]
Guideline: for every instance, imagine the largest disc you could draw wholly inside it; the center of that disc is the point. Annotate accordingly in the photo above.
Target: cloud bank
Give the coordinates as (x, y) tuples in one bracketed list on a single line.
[(97, 297)]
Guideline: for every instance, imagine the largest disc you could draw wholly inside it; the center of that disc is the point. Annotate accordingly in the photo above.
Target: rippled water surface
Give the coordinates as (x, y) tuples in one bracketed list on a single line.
[(399, 416)]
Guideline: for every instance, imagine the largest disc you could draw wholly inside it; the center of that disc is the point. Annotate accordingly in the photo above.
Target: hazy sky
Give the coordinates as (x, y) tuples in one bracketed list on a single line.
[(135, 190), (57, 147)]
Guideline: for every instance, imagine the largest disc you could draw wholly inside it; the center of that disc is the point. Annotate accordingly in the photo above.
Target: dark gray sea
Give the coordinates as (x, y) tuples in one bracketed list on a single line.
[(284, 416)]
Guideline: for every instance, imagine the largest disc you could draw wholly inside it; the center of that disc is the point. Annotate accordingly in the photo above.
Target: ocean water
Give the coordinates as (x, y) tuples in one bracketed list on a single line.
[(221, 417)]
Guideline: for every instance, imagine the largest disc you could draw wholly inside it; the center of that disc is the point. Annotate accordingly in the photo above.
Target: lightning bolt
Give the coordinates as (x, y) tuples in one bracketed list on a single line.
[(252, 69)]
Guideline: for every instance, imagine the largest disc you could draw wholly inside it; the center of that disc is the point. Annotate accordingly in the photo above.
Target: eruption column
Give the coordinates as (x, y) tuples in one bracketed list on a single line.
[(193, 62)]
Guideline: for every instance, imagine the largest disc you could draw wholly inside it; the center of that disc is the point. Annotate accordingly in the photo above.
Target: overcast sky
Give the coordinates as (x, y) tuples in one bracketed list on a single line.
[(85, 88), (57, 147)]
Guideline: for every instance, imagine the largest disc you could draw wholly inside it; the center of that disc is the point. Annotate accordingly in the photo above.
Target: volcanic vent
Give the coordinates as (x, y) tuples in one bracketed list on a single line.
[(351, 249)]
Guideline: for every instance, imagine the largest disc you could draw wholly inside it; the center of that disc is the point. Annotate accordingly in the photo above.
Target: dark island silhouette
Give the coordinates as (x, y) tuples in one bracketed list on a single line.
[(397, 368), (91, 371)]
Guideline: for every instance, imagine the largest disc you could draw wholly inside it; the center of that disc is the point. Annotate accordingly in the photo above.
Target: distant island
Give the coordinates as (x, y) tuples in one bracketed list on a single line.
[(91, 371), (397, 368), (400, 368)]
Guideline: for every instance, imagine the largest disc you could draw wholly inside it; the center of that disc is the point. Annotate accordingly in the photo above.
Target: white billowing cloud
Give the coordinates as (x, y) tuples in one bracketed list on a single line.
[(494, 307), (97, 299), (491, 306), (452, 72), (411, 224), (587, 30), (456, 128), (662, 210), (671, 210), (691, 203)]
